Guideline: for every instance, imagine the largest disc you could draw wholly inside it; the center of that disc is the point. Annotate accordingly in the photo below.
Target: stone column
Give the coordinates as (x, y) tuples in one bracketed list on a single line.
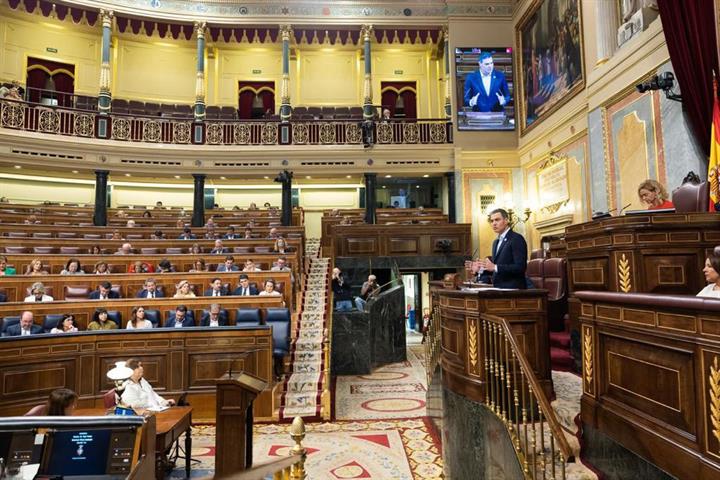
[(100, 215), (286, 217), (370, 202), (198, 218), (285, 107), (448, 105), (368, 111), (450, 176), (607, 24), (199, 109), (104, 97)]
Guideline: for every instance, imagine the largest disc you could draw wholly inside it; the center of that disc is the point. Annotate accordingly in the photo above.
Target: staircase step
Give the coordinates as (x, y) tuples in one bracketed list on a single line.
[(560, 339)]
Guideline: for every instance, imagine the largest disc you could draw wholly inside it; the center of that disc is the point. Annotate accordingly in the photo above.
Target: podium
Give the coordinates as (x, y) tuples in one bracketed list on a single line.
[(234, 421)]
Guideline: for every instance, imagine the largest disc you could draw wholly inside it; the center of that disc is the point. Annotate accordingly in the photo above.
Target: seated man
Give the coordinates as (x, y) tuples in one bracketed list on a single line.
[(187, 234), (216, 289), (273, 233), (151, 290), (228, 265), (282, 266), (104, 292), (214, 317), (341, 290), (245, 289), (219, 248), (231, 235), (368, 289), (180, 318), (25, 327), (125, 249)]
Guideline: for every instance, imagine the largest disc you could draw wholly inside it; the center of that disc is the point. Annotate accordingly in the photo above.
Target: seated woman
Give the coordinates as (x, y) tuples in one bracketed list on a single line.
[(101, 268), (138, 393), (164, 266), (4, 269), (199, 266), (195, 249), (269, 289), (61, 403), (96, 250), (101, 322), (37, 294), (65, 325), (72, 267), (36, 268), (147, 214), (654, 195), (138, 266), (116, 235), (138, 320), (712, 276), (183, 290), (281, 245)]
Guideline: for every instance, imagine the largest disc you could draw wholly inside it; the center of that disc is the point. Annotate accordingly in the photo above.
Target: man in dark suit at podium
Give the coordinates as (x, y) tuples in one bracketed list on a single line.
[(486, 90), (509, 254)]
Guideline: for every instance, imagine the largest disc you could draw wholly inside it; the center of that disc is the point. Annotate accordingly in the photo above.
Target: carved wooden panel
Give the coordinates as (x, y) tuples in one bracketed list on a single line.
[(360, 246), (588, 274), (711, 392), (23, 381), (649, 378), (670, 273), (400, 246)]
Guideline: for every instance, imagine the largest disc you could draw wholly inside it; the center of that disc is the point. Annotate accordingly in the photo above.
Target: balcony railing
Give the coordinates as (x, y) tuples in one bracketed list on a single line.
[(56, 120)]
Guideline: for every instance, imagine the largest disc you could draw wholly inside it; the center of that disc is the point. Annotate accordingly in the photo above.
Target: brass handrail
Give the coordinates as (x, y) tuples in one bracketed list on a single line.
[(433, 339), (326, 396), (514, 394)]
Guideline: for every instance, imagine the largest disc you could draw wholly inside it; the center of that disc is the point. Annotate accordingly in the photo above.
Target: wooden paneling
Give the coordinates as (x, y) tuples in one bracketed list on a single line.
[(175, 361), (400, 240), (651, 371)]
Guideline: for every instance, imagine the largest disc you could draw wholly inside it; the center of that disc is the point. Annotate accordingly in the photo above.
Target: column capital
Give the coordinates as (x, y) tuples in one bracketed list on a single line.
[(446, 33), (285, 32), (107, 17), (102, 173), (199, 176), (199, 28), (366, 32)]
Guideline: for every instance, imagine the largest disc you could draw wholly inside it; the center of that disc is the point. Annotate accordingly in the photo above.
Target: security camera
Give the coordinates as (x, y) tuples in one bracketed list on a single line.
[(665, 82)]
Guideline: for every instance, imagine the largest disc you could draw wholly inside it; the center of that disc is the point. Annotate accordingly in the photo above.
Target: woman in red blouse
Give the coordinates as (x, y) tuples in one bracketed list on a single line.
[(654, 195)]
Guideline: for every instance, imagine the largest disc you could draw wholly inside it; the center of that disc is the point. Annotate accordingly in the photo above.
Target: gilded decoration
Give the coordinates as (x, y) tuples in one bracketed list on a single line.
[(241, 134), (624, 274), (214, 134), (714, 391), (152, 131), (327, 133), (181, 132), (473, 346), (384, 133), (552, 181), (49, 121), (269, 133), (84, 125), (411, 133), (300, 133), (120, 129), (353, 133), (437, 133), (588, 359), (13, 115)]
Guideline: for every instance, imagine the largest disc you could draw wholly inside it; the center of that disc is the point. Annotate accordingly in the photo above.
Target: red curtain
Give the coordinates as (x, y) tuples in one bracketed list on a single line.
[(248, 90), (689, 29), (406, 91), (63, 78)]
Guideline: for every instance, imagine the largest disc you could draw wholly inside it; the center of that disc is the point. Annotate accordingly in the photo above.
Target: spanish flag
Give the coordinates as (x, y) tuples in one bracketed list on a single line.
[(714, 163)]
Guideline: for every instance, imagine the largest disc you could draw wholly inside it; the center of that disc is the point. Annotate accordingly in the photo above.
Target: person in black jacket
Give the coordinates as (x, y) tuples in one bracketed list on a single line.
[(509, 254), (104, 292), (341, 291)]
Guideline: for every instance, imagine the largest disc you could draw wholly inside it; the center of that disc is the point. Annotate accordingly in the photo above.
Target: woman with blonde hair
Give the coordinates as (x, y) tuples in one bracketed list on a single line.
[(653, 194), (182, 290), (36, 268)]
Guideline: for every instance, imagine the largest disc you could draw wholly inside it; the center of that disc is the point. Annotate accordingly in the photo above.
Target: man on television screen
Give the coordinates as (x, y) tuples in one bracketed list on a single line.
[(486, 90)]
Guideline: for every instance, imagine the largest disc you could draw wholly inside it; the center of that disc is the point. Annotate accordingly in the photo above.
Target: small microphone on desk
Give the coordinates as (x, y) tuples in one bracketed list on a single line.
[(623, 209)]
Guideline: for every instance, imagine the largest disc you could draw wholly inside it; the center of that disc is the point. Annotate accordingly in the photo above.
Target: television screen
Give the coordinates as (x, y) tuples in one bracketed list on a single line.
[(484, 89), (79, 452)]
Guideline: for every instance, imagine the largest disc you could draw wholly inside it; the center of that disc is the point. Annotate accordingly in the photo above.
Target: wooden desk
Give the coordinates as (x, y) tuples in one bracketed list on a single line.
[(655, 253), (170, 425)]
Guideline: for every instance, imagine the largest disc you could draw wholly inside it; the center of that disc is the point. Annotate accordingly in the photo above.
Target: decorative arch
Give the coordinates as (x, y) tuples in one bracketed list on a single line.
[(59, 76), (247, 91), (406, 91)]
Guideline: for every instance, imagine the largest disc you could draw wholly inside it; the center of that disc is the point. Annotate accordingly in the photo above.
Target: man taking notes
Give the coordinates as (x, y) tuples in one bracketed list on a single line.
[(486, 90)]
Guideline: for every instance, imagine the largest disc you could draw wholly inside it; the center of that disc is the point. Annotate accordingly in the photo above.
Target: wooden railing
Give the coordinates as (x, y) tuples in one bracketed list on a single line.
[(514, 395), (24, 116)]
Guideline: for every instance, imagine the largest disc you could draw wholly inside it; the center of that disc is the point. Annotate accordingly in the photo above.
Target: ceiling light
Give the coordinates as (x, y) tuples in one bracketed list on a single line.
[(127, 174), (384, 186), (75, 171), (177, 177), (349, 176), (417, 186), (266, 177), (308, 177), (18, 167), (426, 175), (223, 178), (388, 176)]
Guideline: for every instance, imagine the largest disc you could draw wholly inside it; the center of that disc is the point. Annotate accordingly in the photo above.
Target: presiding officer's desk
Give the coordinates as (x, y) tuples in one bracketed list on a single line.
[(653, 253), (651, 380), (463, 346), (176, 360)]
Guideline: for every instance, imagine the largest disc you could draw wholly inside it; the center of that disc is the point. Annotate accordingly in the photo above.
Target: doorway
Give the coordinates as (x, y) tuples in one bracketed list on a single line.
[(256, 100), (49, 82), (400, 99), (413, 300)]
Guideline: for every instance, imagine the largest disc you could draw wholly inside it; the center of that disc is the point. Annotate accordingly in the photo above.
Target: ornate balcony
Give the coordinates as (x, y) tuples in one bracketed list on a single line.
[(44, 119)]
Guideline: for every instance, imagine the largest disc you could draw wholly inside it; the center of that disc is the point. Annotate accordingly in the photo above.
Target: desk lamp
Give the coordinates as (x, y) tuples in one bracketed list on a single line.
[(118, 375)]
